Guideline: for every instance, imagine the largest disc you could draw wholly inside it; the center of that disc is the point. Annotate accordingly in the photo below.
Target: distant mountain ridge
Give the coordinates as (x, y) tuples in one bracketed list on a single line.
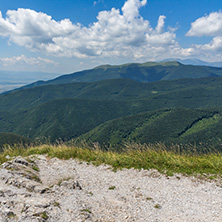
[(168, 69), (141, 72)]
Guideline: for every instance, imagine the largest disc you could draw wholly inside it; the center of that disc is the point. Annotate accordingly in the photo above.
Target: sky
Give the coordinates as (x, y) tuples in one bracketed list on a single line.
[(71, 35)]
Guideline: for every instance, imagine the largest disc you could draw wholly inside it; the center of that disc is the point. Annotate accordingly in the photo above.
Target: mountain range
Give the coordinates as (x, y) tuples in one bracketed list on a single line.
[(141, 72), (149, 71), (151, 102)]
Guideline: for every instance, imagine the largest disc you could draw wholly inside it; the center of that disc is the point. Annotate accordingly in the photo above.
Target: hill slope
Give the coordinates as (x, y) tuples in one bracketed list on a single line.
[(65, 119), (171, 126), (62, 111), (196, 93)]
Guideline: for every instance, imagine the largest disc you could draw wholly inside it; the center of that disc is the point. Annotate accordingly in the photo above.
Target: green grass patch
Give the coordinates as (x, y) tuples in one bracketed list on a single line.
[(134, 156), (112, 188), (157, 206), (86, 211)]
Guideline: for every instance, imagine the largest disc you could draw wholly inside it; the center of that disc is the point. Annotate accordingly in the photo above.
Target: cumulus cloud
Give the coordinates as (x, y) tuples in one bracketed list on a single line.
[(214, 45), (160, 24), (33, 30), (209, 25), (211, 51), (116, 33), (131, 8), (23, 60)]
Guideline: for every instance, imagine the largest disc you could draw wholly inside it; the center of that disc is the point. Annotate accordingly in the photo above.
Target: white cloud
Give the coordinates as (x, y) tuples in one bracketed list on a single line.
[(211, 52), (131, 9), (23, 60), (209, 25), (214, 45), (160, 24), (116, 33)]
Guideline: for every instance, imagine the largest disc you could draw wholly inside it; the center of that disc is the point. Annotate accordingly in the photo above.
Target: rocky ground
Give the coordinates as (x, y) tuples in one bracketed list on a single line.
[(42, 189)]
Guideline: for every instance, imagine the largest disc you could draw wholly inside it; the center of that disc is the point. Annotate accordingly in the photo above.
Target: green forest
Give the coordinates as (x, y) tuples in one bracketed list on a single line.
[(125, 105)]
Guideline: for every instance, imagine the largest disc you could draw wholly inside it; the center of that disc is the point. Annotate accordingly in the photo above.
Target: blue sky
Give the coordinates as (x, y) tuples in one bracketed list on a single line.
[(70, 35)]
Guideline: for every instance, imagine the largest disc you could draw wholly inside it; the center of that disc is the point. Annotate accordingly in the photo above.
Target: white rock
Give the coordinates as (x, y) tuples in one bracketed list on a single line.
[(127, 195)]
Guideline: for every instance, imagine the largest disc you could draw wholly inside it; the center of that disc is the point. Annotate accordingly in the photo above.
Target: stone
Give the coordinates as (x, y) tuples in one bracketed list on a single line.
[(76, 185), (21, 160)]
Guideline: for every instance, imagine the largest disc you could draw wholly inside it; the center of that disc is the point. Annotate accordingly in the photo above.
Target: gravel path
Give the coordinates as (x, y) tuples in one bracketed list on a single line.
[(76, 191)]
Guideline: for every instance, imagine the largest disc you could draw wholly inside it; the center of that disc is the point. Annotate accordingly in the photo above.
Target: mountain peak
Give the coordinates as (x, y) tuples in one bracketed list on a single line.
[(164, 63)]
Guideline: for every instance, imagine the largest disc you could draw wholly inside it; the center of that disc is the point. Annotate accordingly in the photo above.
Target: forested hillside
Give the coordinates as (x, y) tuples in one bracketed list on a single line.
[(169, 126), (115, 111)]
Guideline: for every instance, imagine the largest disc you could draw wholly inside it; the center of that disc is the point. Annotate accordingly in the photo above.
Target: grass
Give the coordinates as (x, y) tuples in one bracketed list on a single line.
[(112, 188), (35, 168), (86, 211), (56, 204), (136, 156), (43, 215), (157, 206)]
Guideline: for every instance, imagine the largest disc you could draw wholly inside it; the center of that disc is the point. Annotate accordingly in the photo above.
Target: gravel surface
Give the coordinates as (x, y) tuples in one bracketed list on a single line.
[(70, 190)]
